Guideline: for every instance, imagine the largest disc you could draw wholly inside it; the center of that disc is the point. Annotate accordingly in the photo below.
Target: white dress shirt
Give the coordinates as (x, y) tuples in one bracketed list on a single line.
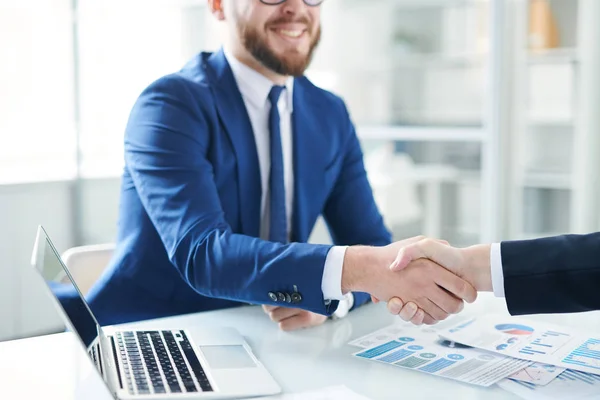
[(255, 89), (497, 273)]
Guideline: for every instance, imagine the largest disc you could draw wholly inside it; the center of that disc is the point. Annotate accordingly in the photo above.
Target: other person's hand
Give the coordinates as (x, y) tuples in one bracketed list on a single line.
[(432, 288), (471, 263)]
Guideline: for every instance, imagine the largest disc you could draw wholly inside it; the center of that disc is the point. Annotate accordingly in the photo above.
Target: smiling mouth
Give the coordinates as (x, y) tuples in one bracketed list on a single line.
[(290, 32)]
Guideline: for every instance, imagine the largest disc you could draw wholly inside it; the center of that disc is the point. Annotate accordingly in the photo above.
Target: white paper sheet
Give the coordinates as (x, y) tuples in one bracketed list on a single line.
[(394, 331), (329, 393), (424, 351), (538, 374), (568, 385), (529, 340), (380, 336)]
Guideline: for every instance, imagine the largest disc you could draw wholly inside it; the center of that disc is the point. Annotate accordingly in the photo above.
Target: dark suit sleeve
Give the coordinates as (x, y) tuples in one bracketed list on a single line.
[(350, 212), (166, 146), (552, 275)]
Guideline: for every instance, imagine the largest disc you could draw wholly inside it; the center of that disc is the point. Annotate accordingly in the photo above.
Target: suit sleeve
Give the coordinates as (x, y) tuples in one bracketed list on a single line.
[(552, 275), (350, 212), (166, 146)]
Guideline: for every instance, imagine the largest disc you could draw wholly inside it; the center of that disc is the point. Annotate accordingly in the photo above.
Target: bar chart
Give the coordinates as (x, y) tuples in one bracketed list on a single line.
[(586, 355), (568, 385), (546, 343)]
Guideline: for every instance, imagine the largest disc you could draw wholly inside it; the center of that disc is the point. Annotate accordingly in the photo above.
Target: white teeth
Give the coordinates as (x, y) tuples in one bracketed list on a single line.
[(293, 34)]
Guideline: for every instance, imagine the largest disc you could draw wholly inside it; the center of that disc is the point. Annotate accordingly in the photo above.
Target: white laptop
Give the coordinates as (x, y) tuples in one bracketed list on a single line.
[(206, 363)]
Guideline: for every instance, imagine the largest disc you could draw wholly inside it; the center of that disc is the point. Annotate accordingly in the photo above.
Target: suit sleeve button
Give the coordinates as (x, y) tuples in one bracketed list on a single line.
[(288, 298), (296, 297), (272, 296), (280, 296)]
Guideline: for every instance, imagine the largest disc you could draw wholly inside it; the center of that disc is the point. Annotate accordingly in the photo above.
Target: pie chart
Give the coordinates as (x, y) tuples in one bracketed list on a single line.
[(514, 329)]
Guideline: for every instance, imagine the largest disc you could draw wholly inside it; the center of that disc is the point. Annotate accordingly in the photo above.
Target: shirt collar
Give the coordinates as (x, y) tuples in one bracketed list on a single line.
[(255, 87)]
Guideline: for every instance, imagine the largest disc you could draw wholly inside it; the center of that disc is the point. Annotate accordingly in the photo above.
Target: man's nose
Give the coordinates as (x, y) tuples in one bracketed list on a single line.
[(294, 7)]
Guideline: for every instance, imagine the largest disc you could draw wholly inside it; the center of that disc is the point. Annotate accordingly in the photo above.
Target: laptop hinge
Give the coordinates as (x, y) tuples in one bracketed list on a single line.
[(103, 347), (111, 364)]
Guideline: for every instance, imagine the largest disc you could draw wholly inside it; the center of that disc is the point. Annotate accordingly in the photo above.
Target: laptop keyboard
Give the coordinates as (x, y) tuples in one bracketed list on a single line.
[(160, 362)]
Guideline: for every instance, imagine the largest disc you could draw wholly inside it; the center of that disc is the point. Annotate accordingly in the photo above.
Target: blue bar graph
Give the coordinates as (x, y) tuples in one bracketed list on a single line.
[(568, 385), (581, 377), (575, 376), (538, 342), (530, 350), (551, 333), (379, 350), (396, 355), (568, 375), (545, 343), (586, 355), (595, 377), (437, 365)]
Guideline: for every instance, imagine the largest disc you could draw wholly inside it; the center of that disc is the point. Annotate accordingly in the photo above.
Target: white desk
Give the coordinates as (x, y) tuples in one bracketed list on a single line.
[(303, 360)]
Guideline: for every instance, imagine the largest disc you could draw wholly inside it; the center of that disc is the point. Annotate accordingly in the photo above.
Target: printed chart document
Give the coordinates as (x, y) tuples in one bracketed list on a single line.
[(394, 331), (568, 385), (538, 374), (529, 340), (424, 351), (329, 393), (383, 335)]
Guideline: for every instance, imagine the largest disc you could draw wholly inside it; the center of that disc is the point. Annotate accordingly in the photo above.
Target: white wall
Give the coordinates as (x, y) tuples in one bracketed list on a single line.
[(24, 309), (100, 204), (22, 208)]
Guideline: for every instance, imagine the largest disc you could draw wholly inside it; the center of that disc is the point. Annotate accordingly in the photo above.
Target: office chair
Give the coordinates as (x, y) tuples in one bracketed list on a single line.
[(86, 263)]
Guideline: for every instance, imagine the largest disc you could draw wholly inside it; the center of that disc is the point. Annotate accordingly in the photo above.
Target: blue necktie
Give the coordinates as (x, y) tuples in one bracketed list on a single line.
[(278, 220)]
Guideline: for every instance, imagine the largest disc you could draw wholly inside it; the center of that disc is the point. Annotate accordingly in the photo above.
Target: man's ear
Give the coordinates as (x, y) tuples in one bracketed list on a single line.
[(216, 7)]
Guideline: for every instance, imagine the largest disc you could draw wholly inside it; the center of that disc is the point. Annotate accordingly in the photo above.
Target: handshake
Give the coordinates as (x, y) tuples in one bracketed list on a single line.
[(422, 280)]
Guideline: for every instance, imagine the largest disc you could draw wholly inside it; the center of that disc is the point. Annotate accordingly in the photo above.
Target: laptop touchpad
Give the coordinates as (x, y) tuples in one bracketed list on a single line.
[(227, 357)]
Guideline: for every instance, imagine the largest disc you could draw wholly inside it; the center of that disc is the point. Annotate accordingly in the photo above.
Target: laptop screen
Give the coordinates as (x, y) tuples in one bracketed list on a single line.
[(75, 310)]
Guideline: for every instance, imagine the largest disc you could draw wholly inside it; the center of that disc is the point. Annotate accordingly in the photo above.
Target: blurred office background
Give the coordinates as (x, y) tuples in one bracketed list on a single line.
[(479, 118)]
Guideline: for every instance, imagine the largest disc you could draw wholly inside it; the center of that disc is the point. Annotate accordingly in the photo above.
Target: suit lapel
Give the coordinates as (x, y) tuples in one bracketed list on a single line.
[(234, 117), (309, 131)]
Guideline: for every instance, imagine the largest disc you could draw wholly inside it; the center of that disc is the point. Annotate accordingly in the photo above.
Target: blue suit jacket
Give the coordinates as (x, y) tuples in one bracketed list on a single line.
[(190, 200), (552, 275)]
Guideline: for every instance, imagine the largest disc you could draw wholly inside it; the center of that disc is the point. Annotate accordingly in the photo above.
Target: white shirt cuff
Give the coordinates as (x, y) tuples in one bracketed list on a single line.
[(331, 285), (497, 273), (344, 306)]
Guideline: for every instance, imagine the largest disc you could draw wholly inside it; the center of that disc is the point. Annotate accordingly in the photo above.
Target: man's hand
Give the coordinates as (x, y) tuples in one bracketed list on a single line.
[(471, 263), (290, 319), (429, 286), (409, 312)]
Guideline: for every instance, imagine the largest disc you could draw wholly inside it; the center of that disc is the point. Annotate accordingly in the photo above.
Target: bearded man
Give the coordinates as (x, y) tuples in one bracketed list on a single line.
[(228, 164)]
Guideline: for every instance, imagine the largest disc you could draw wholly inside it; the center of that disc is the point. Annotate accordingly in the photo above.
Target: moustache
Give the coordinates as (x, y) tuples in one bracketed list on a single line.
[(291, 20)]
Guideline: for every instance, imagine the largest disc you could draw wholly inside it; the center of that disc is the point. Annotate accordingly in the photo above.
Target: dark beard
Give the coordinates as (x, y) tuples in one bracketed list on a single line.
[(288, 65)]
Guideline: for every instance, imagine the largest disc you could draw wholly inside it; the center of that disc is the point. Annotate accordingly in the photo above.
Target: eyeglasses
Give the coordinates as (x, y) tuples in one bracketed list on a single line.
[(310, 3)]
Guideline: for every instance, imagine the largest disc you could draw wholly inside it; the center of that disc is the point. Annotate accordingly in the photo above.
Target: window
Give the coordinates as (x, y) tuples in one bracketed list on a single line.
[(106, 52), (36, 91), (123, 47)]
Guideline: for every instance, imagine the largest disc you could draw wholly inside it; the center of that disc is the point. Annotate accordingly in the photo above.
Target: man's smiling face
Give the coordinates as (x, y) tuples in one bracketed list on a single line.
[(281, 37)]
